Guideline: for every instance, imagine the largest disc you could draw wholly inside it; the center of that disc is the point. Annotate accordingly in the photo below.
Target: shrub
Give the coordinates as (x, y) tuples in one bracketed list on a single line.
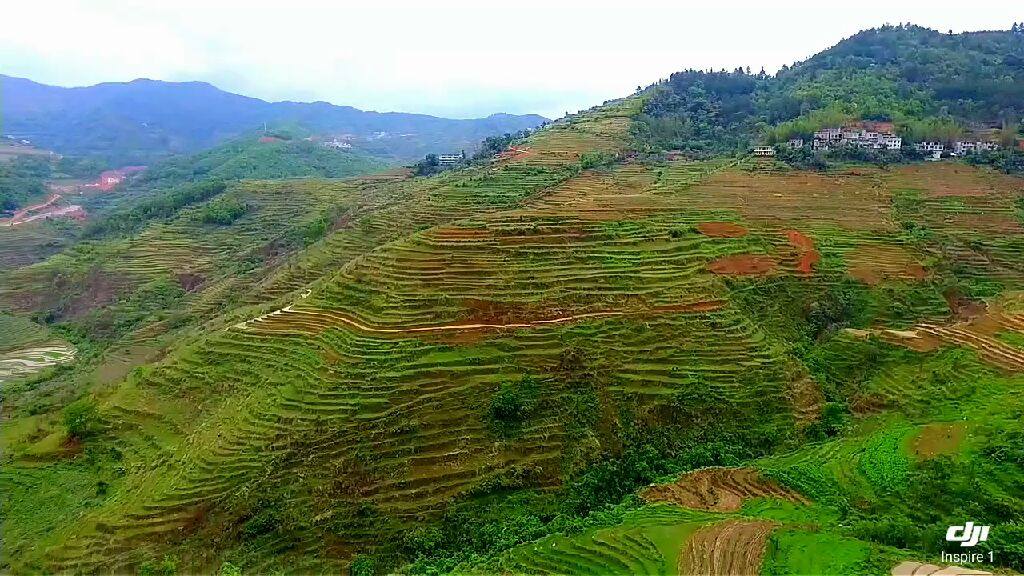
[(80, 418), (513, 402), (595, 159), (362, 566), (223, 211), (167, 204), (834, 417), (166, 567)]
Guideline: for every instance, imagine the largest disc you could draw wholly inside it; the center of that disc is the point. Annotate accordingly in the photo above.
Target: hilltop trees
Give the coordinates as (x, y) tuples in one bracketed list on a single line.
[(929, 84), (703, 110)]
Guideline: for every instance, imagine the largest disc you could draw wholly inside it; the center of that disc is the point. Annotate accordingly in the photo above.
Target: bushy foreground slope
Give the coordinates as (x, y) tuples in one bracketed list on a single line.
[(478, 372)]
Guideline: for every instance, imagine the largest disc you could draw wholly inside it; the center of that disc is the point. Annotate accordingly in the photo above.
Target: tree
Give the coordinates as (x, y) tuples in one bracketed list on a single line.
[(80, 418)]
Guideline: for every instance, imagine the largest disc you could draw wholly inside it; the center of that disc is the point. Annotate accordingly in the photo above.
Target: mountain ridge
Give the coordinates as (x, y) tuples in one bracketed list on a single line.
[(144, 119)]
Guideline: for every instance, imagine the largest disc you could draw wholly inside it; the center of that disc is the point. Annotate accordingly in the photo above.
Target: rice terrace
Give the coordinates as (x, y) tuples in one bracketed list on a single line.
[(619, 343)]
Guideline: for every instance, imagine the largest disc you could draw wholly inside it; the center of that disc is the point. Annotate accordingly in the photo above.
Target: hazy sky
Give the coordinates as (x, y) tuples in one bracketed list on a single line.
[(448, 58)]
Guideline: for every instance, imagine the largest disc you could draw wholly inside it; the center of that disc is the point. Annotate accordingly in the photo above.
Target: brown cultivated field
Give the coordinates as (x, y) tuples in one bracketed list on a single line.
[(719, 490), (730, 548)]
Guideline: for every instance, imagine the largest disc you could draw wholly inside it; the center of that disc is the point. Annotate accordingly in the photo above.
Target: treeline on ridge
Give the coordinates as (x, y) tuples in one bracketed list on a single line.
[(929, 84)]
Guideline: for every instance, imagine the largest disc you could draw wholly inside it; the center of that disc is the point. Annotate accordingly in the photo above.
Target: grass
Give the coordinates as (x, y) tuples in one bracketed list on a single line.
[(801, 552)]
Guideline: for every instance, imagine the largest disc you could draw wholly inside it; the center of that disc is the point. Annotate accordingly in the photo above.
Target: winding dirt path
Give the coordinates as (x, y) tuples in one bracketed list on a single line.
[(41, 211), (307, 321), (19, 216)]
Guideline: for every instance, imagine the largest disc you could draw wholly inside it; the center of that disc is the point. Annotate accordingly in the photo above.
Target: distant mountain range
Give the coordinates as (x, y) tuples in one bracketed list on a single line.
[(143, 120)]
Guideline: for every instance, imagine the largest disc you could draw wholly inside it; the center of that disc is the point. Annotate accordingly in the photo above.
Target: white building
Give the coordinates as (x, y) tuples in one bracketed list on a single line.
[(891, 141), (338, 144), (851, 133), (965, 147), (764, 151), (795, 143), (929, 147), (829, 134), (962, 148), (448, 159), (827, 138)]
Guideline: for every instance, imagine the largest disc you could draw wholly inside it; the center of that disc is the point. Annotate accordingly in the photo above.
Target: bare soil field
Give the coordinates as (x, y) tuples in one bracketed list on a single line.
[(848, 201), (733, 548), (719, 489), (874, 263), (938, 439)]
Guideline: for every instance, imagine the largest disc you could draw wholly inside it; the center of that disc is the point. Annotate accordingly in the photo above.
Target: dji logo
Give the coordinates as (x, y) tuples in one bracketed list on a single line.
[(968, 534)]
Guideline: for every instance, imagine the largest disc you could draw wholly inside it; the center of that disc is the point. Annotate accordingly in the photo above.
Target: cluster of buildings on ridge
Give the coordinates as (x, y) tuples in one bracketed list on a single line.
[(878, 136)]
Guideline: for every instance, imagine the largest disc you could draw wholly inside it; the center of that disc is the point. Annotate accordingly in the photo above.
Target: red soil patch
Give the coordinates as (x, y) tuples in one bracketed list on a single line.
[(268, 139), (721, 229), (807, 261), (742, 265), (808, 255), (799, 240)]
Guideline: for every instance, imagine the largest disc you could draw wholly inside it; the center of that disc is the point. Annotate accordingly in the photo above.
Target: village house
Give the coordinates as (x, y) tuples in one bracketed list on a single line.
[(764, 151), (449, 159), (337, 144), (891, 142), (829, 134), (929, 147), (961, 148), (795, 143), (965, 147), (826, 138)]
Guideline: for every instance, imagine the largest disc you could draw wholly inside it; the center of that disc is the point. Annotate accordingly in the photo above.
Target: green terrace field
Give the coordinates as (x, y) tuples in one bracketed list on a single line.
[(571, 360)]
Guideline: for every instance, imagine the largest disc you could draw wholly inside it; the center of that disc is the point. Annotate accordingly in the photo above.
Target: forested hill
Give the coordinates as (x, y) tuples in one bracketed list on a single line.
[(138, 121), (923, 80)]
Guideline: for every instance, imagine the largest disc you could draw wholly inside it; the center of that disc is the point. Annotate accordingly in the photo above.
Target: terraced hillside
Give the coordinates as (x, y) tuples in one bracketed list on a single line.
[(476, 372)]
